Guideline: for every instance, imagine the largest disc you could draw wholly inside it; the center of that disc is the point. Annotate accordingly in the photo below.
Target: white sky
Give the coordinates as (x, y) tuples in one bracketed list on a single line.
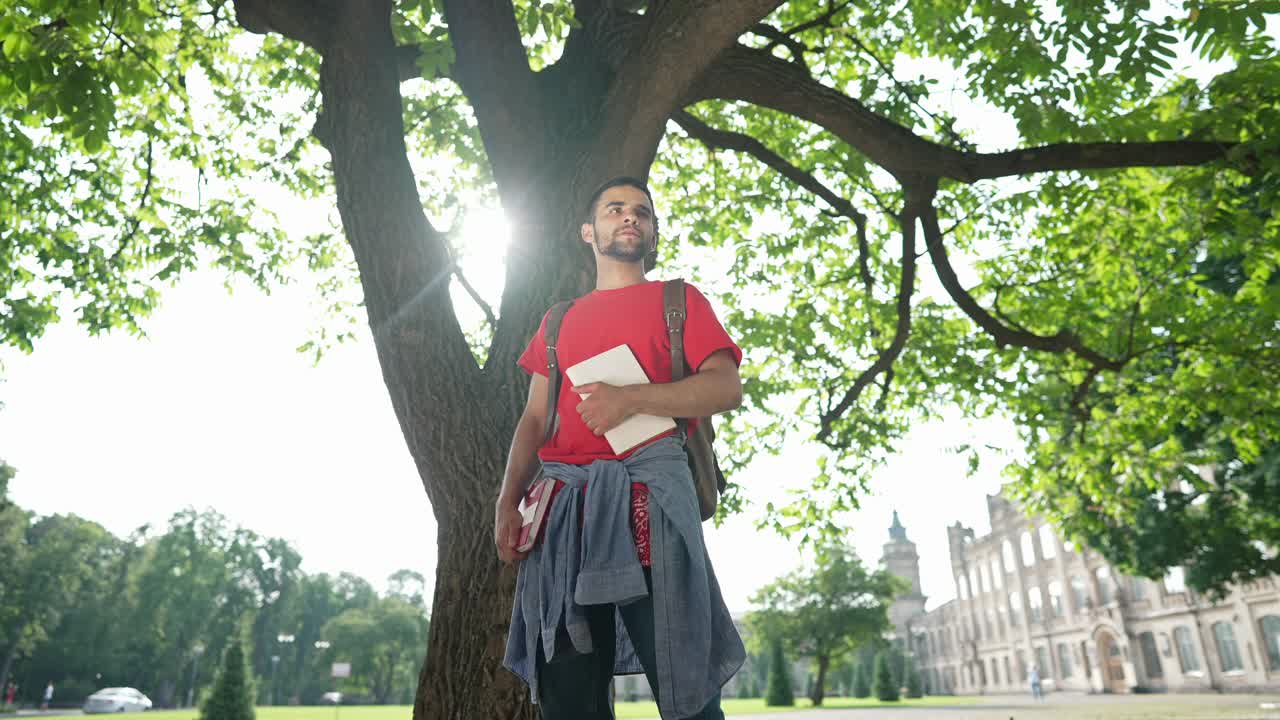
[(215, 409)]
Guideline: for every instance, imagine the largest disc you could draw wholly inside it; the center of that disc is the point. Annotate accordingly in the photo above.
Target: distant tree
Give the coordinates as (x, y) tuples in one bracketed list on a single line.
[(862, 680), (45, 563), (898, 664), (7, 472), (825, 612), (232, 695), (883, 684), (779, 693), (383, 642), (914, 684), (408, 585)]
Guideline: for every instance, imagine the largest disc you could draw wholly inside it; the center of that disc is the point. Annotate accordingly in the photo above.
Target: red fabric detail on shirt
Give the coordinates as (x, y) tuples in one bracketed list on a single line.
[(640, 520)]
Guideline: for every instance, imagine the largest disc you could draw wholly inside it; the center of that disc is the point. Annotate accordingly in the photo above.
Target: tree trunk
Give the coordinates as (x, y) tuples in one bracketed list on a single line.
[(818, 692), (457, 418)]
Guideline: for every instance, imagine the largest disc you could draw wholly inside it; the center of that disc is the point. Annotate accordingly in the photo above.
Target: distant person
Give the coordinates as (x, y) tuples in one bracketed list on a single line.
[(1034, 677), (9, 693), (675, 627), (48, 696)]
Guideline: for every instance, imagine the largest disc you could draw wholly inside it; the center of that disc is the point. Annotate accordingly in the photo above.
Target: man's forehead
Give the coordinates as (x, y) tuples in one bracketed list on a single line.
[(625, 194)]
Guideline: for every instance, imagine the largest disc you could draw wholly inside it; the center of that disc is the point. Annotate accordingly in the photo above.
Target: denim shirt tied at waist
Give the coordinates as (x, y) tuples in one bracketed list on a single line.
[(699, 648)]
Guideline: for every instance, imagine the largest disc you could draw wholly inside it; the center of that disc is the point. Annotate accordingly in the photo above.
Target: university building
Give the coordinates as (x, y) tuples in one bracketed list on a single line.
[(1024, 599)]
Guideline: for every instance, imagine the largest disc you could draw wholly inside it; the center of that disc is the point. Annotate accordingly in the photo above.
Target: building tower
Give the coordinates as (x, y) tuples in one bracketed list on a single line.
[(901, 559)]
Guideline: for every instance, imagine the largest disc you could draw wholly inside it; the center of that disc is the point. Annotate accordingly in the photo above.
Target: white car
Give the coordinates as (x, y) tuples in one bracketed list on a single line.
[(121, 699)]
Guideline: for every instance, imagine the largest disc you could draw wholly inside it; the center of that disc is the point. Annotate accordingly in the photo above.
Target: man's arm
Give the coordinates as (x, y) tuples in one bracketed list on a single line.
[(522, 463), (715, 387)]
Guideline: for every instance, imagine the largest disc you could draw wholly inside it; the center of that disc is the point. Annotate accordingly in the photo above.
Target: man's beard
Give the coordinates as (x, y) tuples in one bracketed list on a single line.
[(618, 251)]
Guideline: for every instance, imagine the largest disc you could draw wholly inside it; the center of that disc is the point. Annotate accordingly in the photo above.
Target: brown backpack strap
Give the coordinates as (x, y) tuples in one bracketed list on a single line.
[(551, 335), (673, 310)]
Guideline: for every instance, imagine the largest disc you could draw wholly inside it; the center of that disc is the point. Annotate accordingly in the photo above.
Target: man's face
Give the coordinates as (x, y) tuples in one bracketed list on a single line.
[(623, 226)]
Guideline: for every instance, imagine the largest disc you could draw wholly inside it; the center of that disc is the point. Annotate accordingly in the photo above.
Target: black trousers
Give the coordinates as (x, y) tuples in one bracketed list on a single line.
[(577, 687)]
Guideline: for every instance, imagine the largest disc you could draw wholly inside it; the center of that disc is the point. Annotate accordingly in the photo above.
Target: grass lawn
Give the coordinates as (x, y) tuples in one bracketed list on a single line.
[(751, 707), (310, 712), (625, 710)]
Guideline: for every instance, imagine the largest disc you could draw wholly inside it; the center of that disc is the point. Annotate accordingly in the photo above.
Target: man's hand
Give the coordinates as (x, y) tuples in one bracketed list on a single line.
[(506, 533), (607, 407)]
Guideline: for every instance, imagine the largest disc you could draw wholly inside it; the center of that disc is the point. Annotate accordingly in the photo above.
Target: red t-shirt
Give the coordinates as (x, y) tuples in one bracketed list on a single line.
[(604, 319)]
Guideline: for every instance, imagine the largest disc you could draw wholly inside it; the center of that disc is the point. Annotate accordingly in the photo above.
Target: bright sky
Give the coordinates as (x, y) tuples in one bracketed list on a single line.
[(215, 409)]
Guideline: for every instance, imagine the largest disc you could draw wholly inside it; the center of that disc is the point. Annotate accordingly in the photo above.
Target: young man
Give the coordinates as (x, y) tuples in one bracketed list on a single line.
[(620, 582)]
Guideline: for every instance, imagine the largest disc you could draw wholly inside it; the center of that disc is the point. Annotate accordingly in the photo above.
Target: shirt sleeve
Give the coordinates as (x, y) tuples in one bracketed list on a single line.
[(703, 333), (534, 358)]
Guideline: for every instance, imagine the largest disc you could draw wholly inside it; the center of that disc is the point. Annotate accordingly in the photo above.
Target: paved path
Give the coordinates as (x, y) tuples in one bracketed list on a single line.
[(1061, 706)]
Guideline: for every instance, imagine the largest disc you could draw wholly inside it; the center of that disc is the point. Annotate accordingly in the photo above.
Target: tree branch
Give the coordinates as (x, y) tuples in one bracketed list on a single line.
[(717, 139), (134, 222), (778, 37), (681, 41), (307, 21), (1062, 341), (826, 19), (751, 75), (493, 71), (919, 196)]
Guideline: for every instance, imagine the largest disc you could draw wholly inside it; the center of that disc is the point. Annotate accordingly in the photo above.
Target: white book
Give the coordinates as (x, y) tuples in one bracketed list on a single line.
[(618, 366)]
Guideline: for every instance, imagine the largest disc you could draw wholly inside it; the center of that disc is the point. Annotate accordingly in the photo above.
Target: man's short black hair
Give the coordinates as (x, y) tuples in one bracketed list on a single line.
[(620, 181)]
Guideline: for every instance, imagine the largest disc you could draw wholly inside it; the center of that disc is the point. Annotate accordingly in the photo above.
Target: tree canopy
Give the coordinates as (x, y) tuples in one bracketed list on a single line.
[(86, 610), (824, 612), (815, 144)]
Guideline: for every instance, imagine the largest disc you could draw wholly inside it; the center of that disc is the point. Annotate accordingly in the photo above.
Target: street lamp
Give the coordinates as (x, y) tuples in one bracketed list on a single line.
[(198, 650), (283, 639), (275, 660)]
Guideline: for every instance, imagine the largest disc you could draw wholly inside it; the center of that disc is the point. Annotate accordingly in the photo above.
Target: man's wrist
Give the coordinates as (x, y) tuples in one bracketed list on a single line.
[(633, 397)]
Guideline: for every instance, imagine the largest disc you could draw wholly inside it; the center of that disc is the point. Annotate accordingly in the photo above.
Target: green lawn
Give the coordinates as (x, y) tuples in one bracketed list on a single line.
[(734, 707), (316, 712), (625, 710)]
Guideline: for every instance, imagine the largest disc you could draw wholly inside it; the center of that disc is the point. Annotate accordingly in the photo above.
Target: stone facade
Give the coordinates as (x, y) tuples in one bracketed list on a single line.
[(1025, 599)]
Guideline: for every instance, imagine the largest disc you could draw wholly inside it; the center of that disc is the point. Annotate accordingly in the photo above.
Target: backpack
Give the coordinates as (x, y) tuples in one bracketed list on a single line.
[(708, 480)]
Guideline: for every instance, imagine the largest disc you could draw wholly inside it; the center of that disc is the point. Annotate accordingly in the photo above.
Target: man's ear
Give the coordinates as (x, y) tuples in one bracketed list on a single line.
[(588, 234)]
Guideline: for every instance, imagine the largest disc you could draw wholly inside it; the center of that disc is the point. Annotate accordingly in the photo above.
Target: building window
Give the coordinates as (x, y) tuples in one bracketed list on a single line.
[(1048, 545), (1034, 606), (1079, 593), (991, 621), (1175, 581), (961, 588), (1064, 660), (1227, 648), (974, 587), (1150, 656), (1028, 550), (997, 575), (984, 581), (1187, 656), (1138, 588), (1007, 676), (1006, 549), (1271, 638), (1106, 591), (1015, 608), (1055, 598), (1042, 660)]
